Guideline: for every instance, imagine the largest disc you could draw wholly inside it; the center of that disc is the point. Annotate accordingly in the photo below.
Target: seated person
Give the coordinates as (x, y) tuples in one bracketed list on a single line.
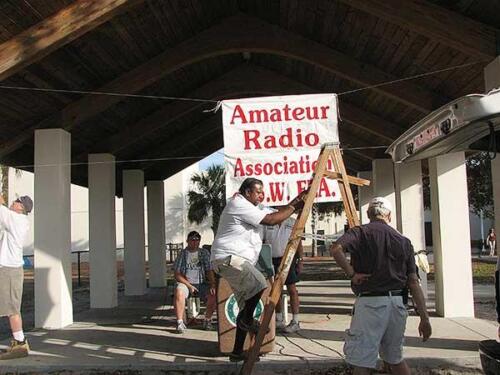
[(194, 275)]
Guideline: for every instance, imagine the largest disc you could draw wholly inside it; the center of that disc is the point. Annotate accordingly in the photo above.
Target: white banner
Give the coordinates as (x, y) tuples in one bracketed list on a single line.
[(278, 140)]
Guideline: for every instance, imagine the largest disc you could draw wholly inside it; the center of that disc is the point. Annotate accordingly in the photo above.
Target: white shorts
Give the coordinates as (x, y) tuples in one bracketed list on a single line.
[(377, 327), (244, 279)]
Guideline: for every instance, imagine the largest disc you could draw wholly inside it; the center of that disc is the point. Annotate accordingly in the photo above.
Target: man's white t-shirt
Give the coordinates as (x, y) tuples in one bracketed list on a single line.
[(193, 267), (14, 230), (239, 231), (278, 235)]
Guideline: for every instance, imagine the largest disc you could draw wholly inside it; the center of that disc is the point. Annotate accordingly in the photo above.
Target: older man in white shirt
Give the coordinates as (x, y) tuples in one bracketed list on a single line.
[(14, 228)]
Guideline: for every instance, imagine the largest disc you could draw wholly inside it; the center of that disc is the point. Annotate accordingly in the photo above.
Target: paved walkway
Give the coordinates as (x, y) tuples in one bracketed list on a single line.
[(140, 335)]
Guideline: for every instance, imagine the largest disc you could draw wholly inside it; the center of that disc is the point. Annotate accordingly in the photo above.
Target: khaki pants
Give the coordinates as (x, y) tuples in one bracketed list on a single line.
[(11, 290), (244, 279)]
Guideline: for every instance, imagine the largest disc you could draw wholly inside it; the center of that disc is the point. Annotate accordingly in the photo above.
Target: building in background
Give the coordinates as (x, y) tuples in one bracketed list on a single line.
[(176, 223)]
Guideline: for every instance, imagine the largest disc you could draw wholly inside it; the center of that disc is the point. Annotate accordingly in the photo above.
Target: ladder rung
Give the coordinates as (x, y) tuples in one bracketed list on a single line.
[(352, 180)]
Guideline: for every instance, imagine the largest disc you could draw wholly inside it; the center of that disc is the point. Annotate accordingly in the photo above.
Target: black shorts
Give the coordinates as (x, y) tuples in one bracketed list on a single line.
[(293, 275)]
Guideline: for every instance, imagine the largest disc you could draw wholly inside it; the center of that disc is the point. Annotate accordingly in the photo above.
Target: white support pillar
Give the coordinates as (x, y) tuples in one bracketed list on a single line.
[(383, 184), (156, 234), (451, 236), (102, 231), (410, 207), (133, 232), (52, 229), (492, 80), (365, 194)]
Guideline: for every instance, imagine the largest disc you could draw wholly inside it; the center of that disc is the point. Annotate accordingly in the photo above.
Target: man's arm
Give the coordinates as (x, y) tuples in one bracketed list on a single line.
[(285, 212), (338, 254), (211, 281), (5, 215), (424, 328), (279, 216), (300, 254), (180, 278)]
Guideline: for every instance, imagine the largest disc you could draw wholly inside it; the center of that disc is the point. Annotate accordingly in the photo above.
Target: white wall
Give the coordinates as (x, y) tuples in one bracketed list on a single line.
[(177, 226)]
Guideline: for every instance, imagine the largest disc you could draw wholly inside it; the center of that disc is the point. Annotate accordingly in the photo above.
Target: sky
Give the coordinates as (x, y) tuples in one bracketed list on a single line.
[(216, 158)]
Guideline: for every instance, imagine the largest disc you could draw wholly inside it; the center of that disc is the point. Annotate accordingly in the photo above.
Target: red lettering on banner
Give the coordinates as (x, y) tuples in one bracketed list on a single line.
[(238, 113), (253, 137), (323, 191), (258, 116), (285, 113), (275, 115), (291, 138), (302, 185), (276, 191), (298, 113)]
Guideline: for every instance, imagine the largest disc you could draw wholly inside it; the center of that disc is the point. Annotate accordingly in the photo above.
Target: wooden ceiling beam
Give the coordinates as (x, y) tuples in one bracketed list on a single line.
[(437, 23), (54, 32), (234, 35), (243, 80)]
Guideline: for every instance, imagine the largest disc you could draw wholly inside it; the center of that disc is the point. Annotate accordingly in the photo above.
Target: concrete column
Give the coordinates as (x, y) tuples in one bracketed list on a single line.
[(52, 229), (102, 231), (451, 236), (410, 207), (133, 232), (383, 184), (156, 234), (365, 194)]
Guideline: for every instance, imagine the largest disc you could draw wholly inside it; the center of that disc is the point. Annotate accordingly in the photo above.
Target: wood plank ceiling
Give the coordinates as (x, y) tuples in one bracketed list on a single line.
[(222, 49)]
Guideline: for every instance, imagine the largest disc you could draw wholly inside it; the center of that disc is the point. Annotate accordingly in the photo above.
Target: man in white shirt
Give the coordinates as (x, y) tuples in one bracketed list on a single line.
[(236, 249), (14, 228), (277, 236)]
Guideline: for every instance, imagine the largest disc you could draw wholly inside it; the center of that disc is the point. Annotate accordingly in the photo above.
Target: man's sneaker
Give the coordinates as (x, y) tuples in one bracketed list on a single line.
[(181, 328), (207, 325), (292, 327), (17, 349), (280, 325)]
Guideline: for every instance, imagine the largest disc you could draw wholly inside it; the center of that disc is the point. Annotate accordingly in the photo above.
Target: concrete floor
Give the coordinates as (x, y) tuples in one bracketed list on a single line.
[(139, 336)]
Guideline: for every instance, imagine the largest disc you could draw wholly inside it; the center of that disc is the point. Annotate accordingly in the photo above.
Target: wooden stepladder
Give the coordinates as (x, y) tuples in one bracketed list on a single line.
[(330, 150)]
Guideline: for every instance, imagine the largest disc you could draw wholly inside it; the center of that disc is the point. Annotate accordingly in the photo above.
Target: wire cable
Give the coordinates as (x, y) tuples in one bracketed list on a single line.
[(217, 102)]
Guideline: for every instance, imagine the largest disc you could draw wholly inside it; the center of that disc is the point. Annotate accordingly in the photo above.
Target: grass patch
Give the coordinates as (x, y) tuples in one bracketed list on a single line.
[(482, 272)]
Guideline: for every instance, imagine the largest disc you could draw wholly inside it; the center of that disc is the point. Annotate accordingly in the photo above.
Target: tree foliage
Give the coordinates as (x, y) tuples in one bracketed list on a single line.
[(208, 196), (478, 183)]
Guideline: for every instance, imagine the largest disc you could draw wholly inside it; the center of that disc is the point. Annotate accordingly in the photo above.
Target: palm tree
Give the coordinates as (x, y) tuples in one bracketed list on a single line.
[(208, 196), (4, 170), (5, 182)]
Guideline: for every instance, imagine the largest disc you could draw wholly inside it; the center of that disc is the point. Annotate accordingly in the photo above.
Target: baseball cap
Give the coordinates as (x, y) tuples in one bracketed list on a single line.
[(380, 202), (194, 235), (26, 202)]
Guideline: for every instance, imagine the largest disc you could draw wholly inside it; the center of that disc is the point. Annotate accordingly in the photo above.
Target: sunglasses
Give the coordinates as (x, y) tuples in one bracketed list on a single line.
[(194, 239)]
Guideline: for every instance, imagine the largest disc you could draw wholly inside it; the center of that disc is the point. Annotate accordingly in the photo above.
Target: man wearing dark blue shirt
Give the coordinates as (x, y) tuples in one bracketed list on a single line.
[(382, 265)]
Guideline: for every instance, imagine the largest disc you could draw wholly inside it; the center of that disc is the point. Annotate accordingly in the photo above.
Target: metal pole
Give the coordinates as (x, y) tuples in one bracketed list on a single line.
[(482, 232), (79, 280)]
